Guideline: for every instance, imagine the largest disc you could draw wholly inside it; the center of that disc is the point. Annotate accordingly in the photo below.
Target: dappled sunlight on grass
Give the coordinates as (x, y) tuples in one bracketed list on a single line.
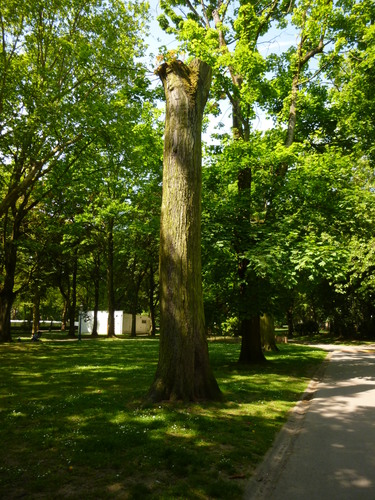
[(72, 410)]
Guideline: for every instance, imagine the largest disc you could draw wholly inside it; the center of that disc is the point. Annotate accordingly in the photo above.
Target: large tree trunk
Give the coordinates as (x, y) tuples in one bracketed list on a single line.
[(7, 298), (251, 345), (267, 333), (183, 371), (251, 349), (249, 329), (6, 302), (7, 294), (133, 332)]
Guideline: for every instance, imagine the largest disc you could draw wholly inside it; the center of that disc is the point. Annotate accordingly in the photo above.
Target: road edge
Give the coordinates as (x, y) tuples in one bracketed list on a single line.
[(265, 476)]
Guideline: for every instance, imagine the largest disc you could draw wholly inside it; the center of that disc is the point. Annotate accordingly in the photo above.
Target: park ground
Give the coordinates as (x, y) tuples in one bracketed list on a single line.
[(74, 423)]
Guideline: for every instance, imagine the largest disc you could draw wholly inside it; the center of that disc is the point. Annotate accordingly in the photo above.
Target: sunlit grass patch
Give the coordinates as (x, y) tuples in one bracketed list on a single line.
[(74, 424)]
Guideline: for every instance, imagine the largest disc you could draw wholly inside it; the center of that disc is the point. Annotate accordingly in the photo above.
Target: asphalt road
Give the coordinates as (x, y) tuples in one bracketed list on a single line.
[(327, 448)]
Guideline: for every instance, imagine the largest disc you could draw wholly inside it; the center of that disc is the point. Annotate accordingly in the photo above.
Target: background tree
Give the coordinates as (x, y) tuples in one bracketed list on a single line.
[(183, 370), (60, 65), (303, 108)]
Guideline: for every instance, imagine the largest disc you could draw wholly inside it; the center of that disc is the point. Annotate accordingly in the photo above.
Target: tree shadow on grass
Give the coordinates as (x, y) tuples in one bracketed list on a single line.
[(74, 424)]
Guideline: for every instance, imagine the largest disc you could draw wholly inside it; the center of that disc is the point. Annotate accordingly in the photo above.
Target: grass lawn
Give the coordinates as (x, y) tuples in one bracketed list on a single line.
[(73, 424)]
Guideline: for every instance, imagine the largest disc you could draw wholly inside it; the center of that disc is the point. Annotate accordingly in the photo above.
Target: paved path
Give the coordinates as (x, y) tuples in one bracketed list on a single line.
[(327, 448)]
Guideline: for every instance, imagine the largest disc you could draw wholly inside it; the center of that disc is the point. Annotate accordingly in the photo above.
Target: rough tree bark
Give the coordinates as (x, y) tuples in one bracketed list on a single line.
[(11, 232), (6, 302), (251, 346), (183, 371), (7, 293)]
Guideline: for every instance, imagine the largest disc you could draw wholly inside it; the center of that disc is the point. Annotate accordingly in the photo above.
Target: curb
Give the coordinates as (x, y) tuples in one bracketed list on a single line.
[(266, 474)]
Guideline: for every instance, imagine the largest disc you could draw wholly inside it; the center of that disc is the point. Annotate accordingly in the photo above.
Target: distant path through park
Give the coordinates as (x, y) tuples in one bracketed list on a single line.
[(326, 450)]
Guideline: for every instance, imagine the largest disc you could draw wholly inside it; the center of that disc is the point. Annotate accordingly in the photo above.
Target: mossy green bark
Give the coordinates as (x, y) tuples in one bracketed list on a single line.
[(183, 371), (267, 333)]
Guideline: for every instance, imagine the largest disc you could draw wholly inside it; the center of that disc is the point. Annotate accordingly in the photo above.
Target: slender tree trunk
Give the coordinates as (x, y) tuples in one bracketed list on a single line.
[(292, 119), (302, 60), (73, 296), (94, 332), (289, 316), (183, 371), (96, 280), (64, 284), (36, 310), (110, 283), (64, 318), (137, 286), (72, 317), (152, 301)]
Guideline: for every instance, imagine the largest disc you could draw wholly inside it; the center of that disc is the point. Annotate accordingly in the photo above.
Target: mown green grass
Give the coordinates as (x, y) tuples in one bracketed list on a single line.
[(73, 423)]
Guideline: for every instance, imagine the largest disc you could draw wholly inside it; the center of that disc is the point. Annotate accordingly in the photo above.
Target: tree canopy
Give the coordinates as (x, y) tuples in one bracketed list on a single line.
[(287, 212), (70, 79)]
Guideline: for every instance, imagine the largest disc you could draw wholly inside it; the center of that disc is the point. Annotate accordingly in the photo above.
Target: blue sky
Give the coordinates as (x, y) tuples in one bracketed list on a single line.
[(276, 41)]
